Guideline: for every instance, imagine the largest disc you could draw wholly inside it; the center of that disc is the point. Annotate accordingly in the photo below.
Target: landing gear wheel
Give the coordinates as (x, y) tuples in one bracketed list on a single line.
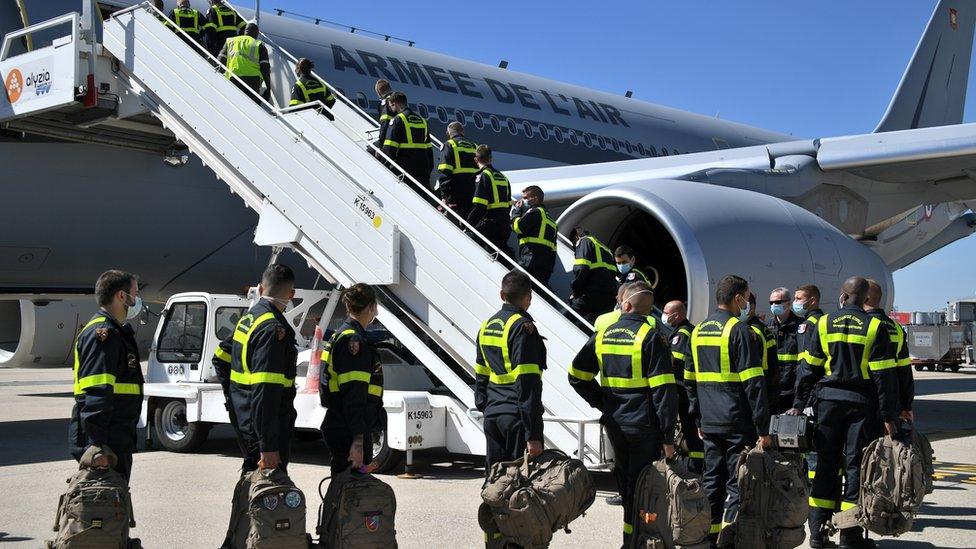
[(387, 459), (174, 432)]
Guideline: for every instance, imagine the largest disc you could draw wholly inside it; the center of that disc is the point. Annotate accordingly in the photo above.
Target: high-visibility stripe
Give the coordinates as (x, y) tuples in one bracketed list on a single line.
[(811, 473), (788, 357), (845, 505), (660, 379), (242, 335), (632, 349), (482, 370), (810, 359), (337, 379), (628, 528), (93, 380), (600, 251), (127, 388), (243, 56), (477, 200), (407, 127), (222, 355), (500, 190), (749, 373), (513, 375), (723, 341), (490, 336), (715, 528), (187, 13), (765, 346), (457, 147), (696, 455), (545, 223), (679, 356), (822, 503), (355, 375), (878, 365), (580, 374), (375, 390)]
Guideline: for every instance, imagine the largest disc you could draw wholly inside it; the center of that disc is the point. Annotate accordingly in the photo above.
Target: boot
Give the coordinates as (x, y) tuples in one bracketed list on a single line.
[(819, 531), (853, 538)]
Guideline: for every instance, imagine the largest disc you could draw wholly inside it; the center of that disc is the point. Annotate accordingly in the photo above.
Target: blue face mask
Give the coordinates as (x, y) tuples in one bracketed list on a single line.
[(624, 268), (777, 309), (798, 309), (744, 313)]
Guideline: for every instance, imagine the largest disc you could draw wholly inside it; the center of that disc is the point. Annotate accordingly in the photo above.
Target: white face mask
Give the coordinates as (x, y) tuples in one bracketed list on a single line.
[(284, 303), (133, 310)]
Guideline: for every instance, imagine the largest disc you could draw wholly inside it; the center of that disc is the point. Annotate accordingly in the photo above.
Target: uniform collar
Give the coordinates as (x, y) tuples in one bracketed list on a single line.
[(355, 325), (851, 308), (818, 312), (684, 324), (108, 316), (633, 316), (508, 307), (266, 306), (789, 320), (722, 313)]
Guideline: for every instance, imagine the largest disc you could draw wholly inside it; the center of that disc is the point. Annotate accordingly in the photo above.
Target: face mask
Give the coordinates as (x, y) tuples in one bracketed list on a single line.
[(134, 309), (798, 309), (624, 268), (777, 309), (744, 313), (664, 320), (282, 302)]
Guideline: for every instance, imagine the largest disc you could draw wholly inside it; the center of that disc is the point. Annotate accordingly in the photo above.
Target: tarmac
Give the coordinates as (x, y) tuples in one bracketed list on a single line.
[(183, 500)]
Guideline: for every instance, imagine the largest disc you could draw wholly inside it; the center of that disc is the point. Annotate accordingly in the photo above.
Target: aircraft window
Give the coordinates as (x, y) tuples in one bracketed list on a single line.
[(423, 110), (442, 114), (573, 138), (664, 151), (588, 140), (479, 121), (182, 337), (459, 116), (512, 127), (544, 132), (602, 142), (641, 149), (225, 320), (559, 134), (675, 152), (362, 100), (527, 128), (495, 124), (652, 150), (627, 145), (615, 144)]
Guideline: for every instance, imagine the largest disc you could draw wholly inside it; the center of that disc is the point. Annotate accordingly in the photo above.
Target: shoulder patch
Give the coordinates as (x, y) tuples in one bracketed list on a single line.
[(802, 328), (280, 332), (354, 346), (101, 334), (529, 327), (675, 340)]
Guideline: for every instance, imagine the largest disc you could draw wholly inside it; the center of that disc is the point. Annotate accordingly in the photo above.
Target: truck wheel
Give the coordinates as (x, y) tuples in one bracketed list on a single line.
[(174, 432), (388, 459), (954, 367), (919, 367)]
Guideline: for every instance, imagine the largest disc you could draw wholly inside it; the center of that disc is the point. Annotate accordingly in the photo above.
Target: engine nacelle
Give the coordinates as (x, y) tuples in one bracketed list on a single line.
[(39, 331), (693, 234)]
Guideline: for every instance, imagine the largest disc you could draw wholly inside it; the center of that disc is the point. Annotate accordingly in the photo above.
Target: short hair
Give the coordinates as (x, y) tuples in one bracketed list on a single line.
[(358, 298), (811, 290), (251, 29), (536, 190), (784, 291), (110, 283), (278, 279), (624, 249), (455, 128), (752, 299), (383, 87), (398, 98), (645, 301), (304, 65), (729, 287), (483, 153), (856, 288), (516, 285), (158, 4), (875, 293)]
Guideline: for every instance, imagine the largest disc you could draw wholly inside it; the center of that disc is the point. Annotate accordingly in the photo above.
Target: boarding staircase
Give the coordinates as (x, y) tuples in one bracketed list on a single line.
[(320, 190)]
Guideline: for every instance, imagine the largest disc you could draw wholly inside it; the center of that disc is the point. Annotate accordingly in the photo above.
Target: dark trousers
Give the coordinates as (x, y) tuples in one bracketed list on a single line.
[(696, 448), (538, 261), (122, 467), (505, 438), (497, 232), (252, 83), (720, 478), (590, 306), (841, 435), (339, 441), (633, 450), (122, 444)]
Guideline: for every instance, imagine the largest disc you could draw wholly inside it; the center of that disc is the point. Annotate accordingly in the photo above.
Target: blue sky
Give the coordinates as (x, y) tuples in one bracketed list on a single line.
[(812, 69)]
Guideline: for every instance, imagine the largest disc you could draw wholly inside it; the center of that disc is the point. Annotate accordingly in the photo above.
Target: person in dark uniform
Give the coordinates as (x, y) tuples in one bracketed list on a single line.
[(108, 376), (727, 396), (352, 389), (676, 316), (783, 325), (850, 364), (456, 172), (536, 231), (407, 140), (767, 344), (247, 57), (491, 201), (626, 260), (899, 347), (309, 89), (806, 306), (191, 21), (260, 381), (383, 112), (638, 408), (594, 276), (223, 22)]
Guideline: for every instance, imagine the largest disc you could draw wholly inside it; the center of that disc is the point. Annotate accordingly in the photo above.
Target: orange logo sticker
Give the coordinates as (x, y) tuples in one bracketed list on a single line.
[(15, 85)]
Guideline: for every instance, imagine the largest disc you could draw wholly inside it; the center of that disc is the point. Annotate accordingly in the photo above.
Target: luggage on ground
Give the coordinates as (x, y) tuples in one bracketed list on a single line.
[(358, 511), (96, 509), (773, 504), (530, 499), (276, 509), (670, 508)]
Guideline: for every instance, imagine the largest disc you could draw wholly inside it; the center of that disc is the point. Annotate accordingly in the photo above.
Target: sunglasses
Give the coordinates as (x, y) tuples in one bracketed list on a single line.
[(777, 302)]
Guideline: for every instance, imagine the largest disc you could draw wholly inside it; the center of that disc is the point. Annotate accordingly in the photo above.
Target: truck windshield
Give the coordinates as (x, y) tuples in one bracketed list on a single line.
[(182, 337)]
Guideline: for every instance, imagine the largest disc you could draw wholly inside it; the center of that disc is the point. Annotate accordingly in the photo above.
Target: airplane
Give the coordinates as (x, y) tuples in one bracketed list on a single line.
[(685, 190)]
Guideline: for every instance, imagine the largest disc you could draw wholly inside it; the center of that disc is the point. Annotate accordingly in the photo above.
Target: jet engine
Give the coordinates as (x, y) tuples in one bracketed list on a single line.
[(693, 234), (39, 330)]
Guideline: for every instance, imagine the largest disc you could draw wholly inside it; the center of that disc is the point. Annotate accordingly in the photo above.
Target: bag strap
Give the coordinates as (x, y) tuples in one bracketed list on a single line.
[(87, 460)]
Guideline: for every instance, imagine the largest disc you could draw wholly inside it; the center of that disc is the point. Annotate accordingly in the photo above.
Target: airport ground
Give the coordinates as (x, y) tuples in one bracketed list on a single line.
[(182, 500)]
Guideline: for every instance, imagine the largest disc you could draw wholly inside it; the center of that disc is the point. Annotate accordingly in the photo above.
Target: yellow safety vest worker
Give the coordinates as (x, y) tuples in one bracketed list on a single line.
[(243, 56)]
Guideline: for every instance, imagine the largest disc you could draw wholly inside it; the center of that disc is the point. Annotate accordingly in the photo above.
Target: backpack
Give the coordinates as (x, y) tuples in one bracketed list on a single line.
[(773, 504), (277, 512), (892, 488), (670, 508), (922, 445), (358, 512), (96, 509), (531, 499)]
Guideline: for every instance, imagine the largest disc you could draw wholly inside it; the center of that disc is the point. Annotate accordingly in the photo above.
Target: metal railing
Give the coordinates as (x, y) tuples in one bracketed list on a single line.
[(599, 453), (318, 20)]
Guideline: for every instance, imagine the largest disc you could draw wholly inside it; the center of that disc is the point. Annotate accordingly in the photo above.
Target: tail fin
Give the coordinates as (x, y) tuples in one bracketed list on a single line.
[(932, 91)]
